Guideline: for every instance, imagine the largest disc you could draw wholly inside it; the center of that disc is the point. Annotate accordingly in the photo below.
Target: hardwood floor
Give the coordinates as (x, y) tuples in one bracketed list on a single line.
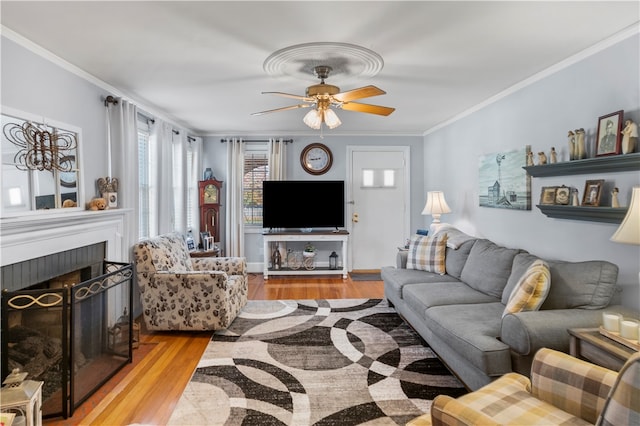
[(148, 393)]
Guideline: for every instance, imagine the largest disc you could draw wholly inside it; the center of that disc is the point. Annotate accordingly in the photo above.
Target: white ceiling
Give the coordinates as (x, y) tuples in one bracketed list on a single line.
[(200, 63)]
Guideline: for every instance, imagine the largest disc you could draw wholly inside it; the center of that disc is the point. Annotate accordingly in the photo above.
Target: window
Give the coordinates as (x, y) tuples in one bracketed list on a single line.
[(144, 177), (256, 170)]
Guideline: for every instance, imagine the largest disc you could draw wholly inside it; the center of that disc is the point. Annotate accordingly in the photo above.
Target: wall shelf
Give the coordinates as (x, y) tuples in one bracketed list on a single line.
[(593, 214), (612, 163)]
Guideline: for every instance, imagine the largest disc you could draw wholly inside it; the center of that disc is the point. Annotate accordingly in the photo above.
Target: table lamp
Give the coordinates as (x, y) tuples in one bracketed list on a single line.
[(629, 230), (435, 206)]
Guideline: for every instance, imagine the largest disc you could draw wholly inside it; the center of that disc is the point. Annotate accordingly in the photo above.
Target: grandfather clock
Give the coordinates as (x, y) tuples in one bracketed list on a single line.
[(210, 207)]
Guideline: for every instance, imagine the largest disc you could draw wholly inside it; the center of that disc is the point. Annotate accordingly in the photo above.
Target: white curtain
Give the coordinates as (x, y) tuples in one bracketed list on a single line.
[(180, 181), (234, 224), (161, 197), (122, 139), (195, 147), (277, 159)]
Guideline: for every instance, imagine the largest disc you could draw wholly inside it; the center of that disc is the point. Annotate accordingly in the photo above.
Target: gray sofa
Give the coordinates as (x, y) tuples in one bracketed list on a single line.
[(460, 313)]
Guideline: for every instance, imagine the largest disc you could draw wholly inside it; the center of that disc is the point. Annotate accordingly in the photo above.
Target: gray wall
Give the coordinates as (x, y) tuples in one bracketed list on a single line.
[(540, 115), (36, 85), (215, 157)]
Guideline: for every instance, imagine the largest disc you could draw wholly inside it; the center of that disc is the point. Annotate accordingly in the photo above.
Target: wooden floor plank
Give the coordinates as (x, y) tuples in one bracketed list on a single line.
[(148, 394)]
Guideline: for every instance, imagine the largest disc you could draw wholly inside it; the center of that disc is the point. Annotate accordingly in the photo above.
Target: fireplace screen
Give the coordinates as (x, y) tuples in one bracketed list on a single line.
[(73, 338)]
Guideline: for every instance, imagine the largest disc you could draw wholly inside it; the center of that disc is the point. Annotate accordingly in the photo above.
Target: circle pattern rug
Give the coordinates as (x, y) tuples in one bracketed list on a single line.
[(314, 362)]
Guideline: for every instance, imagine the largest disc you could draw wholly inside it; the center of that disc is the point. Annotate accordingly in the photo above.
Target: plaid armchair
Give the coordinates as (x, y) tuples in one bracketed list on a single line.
[(180, 293), (563, 390)]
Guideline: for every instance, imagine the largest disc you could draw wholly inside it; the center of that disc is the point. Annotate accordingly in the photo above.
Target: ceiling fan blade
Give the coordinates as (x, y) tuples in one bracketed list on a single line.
[(362, 92), (289, 95), (282, 109), (371, 109)]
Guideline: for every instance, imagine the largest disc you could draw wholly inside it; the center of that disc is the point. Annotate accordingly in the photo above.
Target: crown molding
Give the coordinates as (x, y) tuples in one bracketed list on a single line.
[(590, 51)]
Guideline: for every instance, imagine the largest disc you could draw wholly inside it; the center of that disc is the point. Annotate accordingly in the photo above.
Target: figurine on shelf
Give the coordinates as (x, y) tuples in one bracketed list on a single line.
[(581, 151), (614, 198), (553, 156), (629, 137), (572, 145), (575, 201), (542, 158), (529, 158)]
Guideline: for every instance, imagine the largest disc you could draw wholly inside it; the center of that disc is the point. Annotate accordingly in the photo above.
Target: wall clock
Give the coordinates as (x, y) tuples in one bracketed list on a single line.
[(316, 159)]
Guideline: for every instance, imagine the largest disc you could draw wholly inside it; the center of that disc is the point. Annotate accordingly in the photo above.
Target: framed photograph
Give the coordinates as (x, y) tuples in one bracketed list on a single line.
[(548, 195), (592, 192), (203, 237), (609, 137), (563, 195)]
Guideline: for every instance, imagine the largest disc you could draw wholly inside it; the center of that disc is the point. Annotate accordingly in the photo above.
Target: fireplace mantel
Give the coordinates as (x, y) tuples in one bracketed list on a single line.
[(31, 236)]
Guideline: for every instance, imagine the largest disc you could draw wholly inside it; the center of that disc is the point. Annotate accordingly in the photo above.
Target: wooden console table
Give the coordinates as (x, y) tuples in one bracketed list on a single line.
[(589, 344), (274, 237)]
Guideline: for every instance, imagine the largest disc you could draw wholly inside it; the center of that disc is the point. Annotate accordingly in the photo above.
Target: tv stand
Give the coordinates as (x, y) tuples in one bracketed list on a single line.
[(275, 237)]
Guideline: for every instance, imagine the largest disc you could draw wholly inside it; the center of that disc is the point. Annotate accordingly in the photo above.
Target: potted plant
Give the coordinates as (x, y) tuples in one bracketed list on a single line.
[(309, 250)]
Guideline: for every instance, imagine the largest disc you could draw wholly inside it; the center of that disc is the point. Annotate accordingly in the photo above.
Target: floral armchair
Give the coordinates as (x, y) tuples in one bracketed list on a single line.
[(181, 293)]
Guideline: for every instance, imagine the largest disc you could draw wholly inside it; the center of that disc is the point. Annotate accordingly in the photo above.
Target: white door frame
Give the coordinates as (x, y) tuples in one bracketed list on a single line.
[(407, 188)]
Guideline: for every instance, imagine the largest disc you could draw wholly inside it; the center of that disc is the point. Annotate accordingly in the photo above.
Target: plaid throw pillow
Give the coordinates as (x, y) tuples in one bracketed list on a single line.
[(427, 253), (531, 290)]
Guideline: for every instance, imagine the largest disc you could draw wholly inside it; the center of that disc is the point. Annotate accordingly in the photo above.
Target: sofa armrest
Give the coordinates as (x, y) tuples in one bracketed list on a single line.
[(230, 265), (401, 259), (526, 332), (562, 381)]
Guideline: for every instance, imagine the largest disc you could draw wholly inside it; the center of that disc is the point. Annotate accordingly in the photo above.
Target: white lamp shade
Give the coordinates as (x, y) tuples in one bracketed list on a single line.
[(331, 119), (436, 204), (629, 230), (313, 119)]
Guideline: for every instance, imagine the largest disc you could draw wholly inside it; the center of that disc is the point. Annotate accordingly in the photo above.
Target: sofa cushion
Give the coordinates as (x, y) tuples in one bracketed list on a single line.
[(456, 258), (488, 267), (396, 278), (423, 296), (472, 331), (531, 290), (455, 237), (171, 253), (427, 253), (588, 285)]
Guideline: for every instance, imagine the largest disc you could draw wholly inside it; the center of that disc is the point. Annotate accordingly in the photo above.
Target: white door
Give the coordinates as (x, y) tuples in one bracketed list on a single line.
[(378, 204)]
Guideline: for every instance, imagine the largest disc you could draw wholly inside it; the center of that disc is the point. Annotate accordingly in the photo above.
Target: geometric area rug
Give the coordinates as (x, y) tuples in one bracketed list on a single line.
[(314, 362)]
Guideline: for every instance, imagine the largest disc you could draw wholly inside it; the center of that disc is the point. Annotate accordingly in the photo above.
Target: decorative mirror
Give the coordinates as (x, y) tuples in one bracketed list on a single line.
[(40, 168)]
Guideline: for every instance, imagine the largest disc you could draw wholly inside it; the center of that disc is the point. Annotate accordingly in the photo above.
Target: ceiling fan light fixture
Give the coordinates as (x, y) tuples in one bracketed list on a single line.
[(313, 119), (331, 118)]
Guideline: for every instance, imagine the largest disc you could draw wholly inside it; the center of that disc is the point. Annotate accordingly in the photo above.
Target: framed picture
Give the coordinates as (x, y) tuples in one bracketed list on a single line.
[(609, 137), (592, 192), (548, 195), (563, 195), (203, 237), (503, 182)]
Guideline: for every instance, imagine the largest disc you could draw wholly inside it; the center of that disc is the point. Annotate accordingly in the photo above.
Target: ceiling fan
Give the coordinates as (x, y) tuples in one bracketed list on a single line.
[(324, 96)]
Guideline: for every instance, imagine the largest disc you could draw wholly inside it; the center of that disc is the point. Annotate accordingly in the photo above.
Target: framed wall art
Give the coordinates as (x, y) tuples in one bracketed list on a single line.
[(609, 137), (503, 183), (548, 195), (592, 192), (563, 195)]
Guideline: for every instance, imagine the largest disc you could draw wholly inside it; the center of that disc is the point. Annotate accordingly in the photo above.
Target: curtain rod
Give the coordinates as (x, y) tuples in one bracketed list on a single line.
[(258, 140)]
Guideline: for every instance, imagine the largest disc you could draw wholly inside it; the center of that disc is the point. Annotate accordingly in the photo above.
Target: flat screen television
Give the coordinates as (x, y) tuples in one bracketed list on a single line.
[(303, 204)]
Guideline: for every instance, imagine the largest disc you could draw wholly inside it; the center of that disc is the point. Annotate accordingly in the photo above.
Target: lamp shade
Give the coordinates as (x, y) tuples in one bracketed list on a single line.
[(313, 119), (331, 118), (629, 230), (436, 205)]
